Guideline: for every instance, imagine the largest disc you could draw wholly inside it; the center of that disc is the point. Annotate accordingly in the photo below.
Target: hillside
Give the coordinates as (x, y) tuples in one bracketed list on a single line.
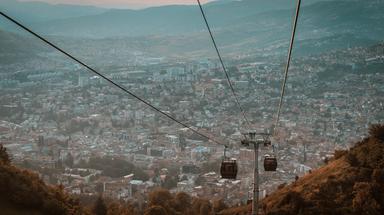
[(351, 183), (23, 193), (17, 48)]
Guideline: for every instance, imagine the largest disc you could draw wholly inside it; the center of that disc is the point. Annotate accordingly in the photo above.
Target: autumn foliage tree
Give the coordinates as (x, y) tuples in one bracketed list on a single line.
[(219, 205), (119, 208), (4, 157), (161, 197), (377, 131), (367, 198), (100, 208), (178, 204), (156, 210), (201, 207), (182, 203)]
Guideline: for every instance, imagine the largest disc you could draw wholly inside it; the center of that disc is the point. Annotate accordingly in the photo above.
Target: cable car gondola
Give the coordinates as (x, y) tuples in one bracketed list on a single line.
[(228, 169), (270, 163)]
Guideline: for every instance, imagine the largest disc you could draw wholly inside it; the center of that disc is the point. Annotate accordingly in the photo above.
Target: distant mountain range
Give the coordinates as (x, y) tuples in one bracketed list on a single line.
[(34, 12), (86, 21), (238, 25), (80, 21)]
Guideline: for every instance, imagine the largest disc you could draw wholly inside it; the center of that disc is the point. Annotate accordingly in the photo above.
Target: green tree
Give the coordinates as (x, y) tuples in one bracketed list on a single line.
[(116, 167), (169, 182)]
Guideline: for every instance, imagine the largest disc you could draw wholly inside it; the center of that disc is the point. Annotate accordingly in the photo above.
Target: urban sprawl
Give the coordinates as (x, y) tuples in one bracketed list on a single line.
[(68, 124)]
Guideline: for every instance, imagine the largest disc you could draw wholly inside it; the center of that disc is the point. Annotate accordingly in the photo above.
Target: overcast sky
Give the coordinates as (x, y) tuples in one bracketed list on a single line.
[(121, 3)]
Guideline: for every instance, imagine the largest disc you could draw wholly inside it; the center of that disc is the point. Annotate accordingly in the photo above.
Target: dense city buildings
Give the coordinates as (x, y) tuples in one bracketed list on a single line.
[(79, 131)]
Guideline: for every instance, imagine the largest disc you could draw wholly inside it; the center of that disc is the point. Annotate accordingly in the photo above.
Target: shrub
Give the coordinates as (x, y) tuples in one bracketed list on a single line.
[(364, 201), (378, 176), (53, 206), (156, 210), (160, 197), (364, 174), (377, 131), (100, 208), (4, 157), (291, 203), (219, 205), (339, 154), (201, 207), (182, 202), (281, 186), (352, 160)]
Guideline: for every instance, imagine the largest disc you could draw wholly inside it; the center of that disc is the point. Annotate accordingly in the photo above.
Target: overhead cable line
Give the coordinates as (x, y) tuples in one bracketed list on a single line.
[(287, 67), (107, 79), (223, 66)]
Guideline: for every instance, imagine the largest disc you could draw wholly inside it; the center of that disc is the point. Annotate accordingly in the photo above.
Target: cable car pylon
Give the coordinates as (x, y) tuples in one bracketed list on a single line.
[(270, 163), (251, 140)]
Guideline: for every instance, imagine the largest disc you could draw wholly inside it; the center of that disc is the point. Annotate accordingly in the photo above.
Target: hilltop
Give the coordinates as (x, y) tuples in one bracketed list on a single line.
[(352, 182)]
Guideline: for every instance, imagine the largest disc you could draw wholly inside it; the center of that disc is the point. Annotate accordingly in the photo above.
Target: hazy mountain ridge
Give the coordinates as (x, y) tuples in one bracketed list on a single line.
[(239, 26), (184, 19), (233, 30), (165, 20), (32, 12)]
